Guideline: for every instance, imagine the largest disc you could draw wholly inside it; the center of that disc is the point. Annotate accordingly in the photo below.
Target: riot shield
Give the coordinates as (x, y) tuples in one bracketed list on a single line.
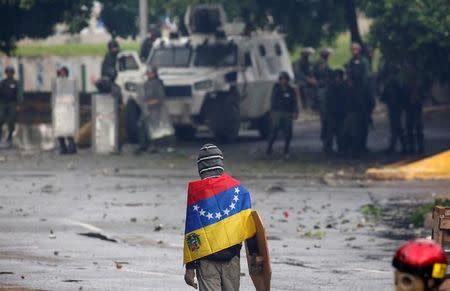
[(105, 124), (65, 107), (157, 117)]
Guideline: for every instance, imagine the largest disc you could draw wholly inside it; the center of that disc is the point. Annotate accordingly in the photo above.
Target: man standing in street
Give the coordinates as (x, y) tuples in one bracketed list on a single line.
[(151, 101), (358, 73), (218, 220), (394, 96), (303, 76), (284, 110), (416, 90), (9, 94), (322, 73)]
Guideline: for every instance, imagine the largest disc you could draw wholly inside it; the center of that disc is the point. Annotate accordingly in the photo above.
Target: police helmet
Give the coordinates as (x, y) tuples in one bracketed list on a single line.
[(285, 76), (10, 70)]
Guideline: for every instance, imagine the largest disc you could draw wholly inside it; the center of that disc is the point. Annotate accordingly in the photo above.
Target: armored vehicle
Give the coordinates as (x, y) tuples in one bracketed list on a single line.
[(218, 78)]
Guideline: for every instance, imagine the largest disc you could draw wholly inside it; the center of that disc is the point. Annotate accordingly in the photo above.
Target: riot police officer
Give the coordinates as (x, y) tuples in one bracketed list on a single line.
[(284, 110), (68, 147), (416, 90), (393, 95), (9, 89), (322, 75), (110, 59), (152, 102), (303, 75), (358, 71)]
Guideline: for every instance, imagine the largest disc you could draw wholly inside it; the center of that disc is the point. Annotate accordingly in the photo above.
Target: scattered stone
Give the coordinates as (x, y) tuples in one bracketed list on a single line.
[(269, 237), (274, 188), (352, 238), (22, 277), (98, 235), (159, 227), (71, 166), (134, 204), (118, 265), (55, 253), (52, 235), (133, 219)]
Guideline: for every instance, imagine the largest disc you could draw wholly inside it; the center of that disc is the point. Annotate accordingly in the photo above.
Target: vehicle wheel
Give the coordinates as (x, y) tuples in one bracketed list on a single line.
[(185, 132), (264, 126), (132, 114), (225, 119)]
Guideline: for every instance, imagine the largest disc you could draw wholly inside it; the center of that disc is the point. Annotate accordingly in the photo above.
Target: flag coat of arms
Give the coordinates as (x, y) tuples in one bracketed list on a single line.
[(218, 216)]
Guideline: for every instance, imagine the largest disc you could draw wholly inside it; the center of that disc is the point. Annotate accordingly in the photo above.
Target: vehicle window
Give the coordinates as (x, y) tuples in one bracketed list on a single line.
[(171, 57), (278, 50), (127, 63), (248, 60), (262, 50), (218, 55)]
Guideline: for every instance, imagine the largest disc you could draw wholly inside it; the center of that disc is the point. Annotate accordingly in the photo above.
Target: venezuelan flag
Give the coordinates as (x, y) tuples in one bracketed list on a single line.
[(218, 216)]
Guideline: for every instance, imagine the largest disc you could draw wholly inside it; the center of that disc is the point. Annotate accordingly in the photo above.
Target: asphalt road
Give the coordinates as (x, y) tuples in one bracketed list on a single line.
[(311, 205)]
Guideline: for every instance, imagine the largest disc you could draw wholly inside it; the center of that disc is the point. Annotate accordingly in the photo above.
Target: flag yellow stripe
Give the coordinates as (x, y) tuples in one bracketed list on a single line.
[(219, 236)]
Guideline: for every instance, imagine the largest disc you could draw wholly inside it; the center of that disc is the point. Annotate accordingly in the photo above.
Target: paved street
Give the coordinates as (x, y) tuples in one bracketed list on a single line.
[(135, 206)]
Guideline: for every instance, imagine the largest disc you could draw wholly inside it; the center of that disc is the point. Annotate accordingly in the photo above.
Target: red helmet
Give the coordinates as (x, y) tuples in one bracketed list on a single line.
[(421, 257)]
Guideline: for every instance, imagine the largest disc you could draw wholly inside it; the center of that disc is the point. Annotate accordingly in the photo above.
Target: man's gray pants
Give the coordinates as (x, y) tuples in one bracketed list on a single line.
[(219, 276)]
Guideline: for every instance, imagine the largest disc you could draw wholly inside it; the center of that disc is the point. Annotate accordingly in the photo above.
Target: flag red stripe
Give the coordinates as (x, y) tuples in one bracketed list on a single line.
[(203, 189)]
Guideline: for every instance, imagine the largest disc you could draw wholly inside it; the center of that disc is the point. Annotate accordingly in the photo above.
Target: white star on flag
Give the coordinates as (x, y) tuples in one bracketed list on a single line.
[(232, 205), (218, 215), (202, 212), (236, 190), (209, 215), (196, 207), (226, 211), (236, 198)]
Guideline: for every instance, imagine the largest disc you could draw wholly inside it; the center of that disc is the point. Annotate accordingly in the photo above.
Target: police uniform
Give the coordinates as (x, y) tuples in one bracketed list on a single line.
[(416, 92), (9, 89), (284, 108), (358, 72), (152, 90), (393, 95), (322, 74), (303, 70), (109, 61)]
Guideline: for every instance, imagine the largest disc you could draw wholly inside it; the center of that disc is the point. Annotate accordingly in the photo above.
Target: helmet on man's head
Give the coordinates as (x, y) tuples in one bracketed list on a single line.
[(423, 258), (113, 44), (10, 70), (284, 76)]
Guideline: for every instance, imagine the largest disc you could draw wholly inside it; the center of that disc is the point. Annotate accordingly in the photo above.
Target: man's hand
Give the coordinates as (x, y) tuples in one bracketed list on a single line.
[(189, 278), (256, 264)]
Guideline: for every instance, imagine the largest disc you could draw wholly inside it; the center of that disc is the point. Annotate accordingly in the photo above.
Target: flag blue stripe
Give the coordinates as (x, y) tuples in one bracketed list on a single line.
[(217, 208)]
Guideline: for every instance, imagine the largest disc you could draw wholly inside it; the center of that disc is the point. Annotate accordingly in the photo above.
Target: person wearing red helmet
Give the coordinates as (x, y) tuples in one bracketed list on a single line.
[(421, 265)]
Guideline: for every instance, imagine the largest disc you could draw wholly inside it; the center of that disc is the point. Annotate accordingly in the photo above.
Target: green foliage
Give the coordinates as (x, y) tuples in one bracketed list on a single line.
[(120, 17), (418, 217), (371, 212), (413, 32), (72, 49), (36, 19), (305, 22)]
